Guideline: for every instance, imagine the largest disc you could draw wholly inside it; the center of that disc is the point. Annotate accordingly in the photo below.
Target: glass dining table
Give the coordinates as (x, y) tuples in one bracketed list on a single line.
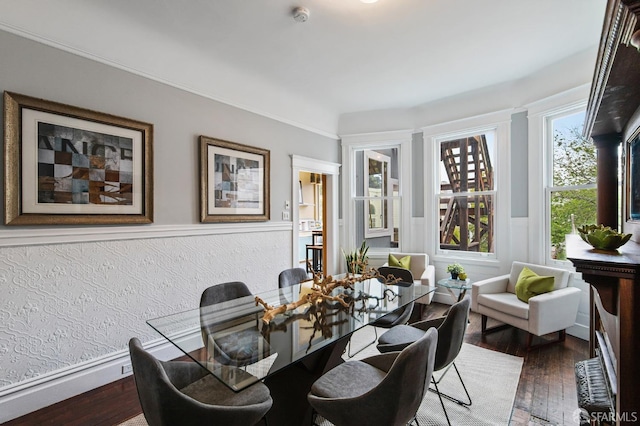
[(233, 343)]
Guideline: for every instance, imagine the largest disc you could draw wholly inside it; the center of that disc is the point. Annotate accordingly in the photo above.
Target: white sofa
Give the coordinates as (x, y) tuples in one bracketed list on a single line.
[(550, 312), (423, 273)]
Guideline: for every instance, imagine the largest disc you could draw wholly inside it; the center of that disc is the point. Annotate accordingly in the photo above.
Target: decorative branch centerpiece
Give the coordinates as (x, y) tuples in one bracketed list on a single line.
[(322, 289)]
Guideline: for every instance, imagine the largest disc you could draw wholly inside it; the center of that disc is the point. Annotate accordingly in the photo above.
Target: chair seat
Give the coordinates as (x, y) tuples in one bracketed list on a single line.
[(505, 302), (400, 335), (348, 380), (210, 390)]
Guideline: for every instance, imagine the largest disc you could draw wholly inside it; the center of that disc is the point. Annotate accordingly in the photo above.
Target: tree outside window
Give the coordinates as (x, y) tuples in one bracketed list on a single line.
[(572, 194)]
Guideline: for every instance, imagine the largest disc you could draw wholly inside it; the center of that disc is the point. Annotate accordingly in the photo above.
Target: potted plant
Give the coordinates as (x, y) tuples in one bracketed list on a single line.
[(455, 269), (357, 260)]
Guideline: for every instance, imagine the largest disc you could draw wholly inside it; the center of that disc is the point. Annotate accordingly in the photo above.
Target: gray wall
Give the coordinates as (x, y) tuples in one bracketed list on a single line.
[(519, 165), (68, 306), (417, 175), (179, 117)]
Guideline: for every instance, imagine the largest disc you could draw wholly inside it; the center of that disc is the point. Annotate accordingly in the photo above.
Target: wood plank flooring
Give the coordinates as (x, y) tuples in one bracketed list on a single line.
[(546, 392)]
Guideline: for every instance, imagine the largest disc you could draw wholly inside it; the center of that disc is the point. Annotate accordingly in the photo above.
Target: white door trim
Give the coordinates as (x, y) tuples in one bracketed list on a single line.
[(332, 173)]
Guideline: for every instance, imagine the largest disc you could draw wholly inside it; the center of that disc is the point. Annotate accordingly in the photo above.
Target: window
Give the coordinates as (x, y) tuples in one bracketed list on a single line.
[(467, 189), (571, 192), (466, 193), (377, 173), (378, 219), (375, 203)]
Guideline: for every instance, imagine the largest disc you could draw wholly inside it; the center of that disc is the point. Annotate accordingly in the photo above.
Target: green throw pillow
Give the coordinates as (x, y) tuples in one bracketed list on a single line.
[(531, 284), (405, 262)]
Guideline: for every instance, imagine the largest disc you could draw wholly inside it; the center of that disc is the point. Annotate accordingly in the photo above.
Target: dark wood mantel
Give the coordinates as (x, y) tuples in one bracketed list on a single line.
[(615, 306)]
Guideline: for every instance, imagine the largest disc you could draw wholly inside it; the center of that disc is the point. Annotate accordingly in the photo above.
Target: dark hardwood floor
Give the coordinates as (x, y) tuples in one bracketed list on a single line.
[(546, 391)]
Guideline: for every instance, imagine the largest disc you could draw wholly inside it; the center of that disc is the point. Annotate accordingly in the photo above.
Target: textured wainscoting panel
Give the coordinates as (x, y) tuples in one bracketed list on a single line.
[(66, 304)]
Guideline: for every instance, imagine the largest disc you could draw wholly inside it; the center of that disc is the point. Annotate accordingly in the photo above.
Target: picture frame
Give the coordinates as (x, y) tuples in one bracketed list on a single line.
[(66, 165), (234, 182)]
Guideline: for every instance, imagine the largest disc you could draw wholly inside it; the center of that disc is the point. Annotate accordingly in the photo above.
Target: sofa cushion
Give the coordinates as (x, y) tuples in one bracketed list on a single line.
[(561, 275), (530, 284), (404, 262), (505, 302)]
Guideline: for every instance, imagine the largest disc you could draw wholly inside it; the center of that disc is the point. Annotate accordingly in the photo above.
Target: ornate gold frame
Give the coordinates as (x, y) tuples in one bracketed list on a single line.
[(14, 106), (208, 146)]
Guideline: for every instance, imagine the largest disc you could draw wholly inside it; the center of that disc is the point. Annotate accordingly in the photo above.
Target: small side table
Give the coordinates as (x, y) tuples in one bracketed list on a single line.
[(450, 285)]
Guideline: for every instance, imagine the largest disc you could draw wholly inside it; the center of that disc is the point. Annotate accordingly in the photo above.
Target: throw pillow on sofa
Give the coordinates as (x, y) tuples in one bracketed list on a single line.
[(530, 284), (404, 262)]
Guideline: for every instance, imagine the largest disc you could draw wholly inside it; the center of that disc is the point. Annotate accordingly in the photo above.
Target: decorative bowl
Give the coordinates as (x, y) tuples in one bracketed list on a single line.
[(602, 237)]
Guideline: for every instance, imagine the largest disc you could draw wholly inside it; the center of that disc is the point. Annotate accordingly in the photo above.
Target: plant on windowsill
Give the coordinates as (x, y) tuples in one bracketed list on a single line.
[(455, 269)]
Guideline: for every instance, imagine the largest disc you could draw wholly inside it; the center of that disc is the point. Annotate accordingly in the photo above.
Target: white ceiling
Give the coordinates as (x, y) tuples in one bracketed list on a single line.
[(348, 57)]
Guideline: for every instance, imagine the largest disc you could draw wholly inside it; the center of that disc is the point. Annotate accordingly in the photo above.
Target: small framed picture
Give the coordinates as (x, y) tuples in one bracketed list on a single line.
[(66, 165), (234, 182)]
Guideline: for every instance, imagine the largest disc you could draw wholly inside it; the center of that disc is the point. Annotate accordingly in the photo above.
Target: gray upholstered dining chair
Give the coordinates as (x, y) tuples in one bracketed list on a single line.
[(184, 393), (399, 316), (244, 347), (292, 276), (384, 390), (451, 329), (223, 292)]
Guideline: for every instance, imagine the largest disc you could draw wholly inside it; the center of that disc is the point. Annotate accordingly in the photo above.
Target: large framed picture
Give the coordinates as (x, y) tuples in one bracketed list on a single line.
[(234, 182), (66, 165)]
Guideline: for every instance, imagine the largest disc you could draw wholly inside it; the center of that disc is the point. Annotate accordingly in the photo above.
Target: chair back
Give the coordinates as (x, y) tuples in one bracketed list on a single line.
[(451, 333), (151, 382), (160, 387), (405, 275), (227, 350), (224, 292), (561, 276), (162, 403), (419, 262), (406, 278), (408, 378), (292, 276)]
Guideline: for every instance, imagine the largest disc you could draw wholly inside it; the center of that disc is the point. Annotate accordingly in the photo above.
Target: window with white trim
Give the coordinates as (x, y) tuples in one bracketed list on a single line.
[(570, 194), (377, 173), (466, 192)]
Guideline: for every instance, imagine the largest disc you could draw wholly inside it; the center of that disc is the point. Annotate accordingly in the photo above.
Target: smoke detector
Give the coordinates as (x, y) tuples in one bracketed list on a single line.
[(301, 14)]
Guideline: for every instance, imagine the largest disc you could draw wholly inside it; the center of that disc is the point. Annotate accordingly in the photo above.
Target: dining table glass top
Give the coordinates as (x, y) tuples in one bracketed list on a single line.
[(233, 343)]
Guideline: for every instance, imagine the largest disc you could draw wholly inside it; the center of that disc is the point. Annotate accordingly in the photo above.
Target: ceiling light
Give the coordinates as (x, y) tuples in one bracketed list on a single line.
[(368, 1)]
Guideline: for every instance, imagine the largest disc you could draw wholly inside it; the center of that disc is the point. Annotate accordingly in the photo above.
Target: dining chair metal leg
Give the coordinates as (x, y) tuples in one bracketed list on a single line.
[(375, 339), (441, 401), (449, 397)]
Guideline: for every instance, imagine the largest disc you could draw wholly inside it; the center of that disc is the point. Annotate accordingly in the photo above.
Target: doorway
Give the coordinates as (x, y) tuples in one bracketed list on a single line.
[(311, 247), (315, 214)]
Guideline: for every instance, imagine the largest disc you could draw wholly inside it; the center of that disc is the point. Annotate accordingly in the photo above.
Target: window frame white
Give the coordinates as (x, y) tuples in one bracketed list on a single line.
[(401, 140), (550, 187), (500, 123), (540, 138), (385, 196)]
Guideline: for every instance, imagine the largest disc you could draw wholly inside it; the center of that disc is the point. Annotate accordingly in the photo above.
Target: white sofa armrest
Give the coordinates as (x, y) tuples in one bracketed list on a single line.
[(553, 311), (488, 286)]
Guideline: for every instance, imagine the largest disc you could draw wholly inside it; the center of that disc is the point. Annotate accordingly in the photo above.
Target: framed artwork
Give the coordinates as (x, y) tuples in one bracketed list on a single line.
[(66, 165), (234, 182)]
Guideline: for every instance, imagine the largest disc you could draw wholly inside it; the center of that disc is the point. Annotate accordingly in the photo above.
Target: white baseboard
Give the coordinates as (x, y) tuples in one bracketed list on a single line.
[(580, 331), (43, 391)]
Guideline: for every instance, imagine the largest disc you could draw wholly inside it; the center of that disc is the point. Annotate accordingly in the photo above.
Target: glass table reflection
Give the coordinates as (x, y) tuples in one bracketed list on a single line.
[(232, 342)]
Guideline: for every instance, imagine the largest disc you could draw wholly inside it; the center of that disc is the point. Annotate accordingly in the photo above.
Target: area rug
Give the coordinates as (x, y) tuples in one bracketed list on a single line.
[(491, 379)]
